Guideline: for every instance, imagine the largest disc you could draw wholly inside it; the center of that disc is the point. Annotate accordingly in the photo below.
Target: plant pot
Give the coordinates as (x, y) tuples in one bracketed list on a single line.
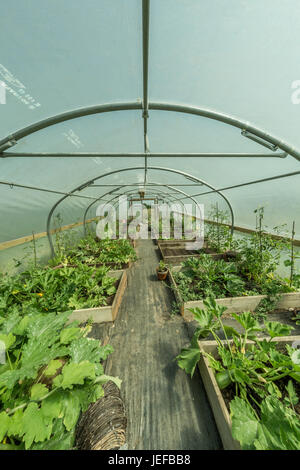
[(161, 275)]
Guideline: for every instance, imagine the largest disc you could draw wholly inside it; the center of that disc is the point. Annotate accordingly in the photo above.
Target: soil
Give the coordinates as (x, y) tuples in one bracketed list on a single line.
[(178, 252), (228, 393), (115, 266), (282, 316), (110, 299)]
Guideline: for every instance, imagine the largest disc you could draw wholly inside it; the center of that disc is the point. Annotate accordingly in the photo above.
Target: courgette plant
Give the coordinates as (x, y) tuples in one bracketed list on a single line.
[(95, 251), (47, 289), (254, 373), (51, 375), (203, 277)]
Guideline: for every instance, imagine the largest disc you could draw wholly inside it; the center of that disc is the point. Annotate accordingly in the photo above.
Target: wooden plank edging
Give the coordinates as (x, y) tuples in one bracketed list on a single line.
[(233, 304), (220, 411), (107, 313), (36, 236)]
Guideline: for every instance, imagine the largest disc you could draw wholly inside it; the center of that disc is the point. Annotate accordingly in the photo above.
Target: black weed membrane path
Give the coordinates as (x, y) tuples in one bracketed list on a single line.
[(165, 408)]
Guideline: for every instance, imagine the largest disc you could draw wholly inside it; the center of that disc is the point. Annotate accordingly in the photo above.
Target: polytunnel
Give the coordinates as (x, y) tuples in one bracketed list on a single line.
[(174, 103)]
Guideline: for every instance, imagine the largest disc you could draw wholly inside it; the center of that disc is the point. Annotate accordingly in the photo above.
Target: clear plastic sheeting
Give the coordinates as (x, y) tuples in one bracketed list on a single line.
[(238, 57), (67, 55), (140, 81), (95, 133)]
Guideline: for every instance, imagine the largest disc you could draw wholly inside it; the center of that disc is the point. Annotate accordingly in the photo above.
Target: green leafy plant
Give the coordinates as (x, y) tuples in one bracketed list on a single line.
[(277, 427), (162, 267), (259, 254), (267, 305), (296, 318), (93, 251), (53, 372), (252, 272), (47, 289), (291, 262), (203, 277), (63, 239), (217, 230), (253, 373)]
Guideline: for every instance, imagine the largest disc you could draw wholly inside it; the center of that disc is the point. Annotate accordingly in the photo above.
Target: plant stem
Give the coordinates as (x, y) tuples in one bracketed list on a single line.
[(292, 255), (34, 250), (278, 377), (216, 338), (218, 227), (260, 236), (19, 354), (226, 337), (30, 401), (9, 361)]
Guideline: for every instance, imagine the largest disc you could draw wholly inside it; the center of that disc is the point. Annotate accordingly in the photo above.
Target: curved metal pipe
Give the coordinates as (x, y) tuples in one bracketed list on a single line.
[(12, 139), (99, 199), (133, 192), (171, 199), (89, 182), (84, 218), (230, 120), (189, 196)]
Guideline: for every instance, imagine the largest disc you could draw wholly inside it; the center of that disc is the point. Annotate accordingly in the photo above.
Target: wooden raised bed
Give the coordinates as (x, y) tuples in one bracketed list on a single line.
[(171, 242), (107, 313), (115, 266), (233, 304), (97, 265), (217, 403), (174, 252)]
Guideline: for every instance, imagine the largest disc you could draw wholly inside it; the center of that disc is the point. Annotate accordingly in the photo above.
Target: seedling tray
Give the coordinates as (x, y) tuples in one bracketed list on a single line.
[(216, 400), (233, 304), (107, 313)]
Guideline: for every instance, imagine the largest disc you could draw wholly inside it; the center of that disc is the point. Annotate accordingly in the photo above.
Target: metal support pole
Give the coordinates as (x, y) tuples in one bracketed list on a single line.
[(262, 180), (146, 20), (44, 190), (140, 155)]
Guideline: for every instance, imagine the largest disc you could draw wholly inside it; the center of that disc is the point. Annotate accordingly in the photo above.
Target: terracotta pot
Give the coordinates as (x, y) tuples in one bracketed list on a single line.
[(161, 275)]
